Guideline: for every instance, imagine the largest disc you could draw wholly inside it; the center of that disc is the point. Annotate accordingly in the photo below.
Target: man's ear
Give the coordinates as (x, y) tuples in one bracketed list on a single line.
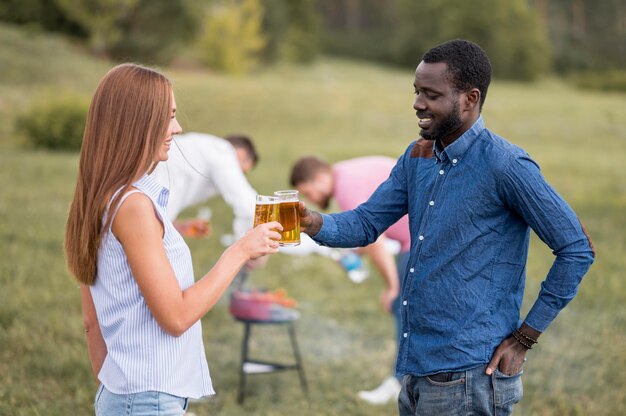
[(472, 99)]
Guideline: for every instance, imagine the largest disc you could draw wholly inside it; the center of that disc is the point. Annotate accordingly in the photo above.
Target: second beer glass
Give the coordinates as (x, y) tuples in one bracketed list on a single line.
[(266, 209), (289, 217)]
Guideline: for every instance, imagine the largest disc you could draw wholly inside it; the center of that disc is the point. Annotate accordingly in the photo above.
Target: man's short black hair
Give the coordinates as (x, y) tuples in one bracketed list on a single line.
[(468, 65), (244, 142)]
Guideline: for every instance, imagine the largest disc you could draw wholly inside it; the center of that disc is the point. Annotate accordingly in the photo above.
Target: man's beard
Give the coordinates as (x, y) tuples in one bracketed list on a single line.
[(446, 126)]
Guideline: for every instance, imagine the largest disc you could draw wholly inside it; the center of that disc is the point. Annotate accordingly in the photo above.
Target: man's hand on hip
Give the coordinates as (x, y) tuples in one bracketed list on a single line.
[(510, 354)]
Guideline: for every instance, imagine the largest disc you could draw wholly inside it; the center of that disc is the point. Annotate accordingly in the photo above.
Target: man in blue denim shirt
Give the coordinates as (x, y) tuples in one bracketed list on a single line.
[(472, 198)]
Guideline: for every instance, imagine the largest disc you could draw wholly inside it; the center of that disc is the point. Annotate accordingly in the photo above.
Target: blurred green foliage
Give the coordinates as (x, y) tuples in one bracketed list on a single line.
[(291, 29), (154, 32), (610, 80), (55, 121), (586, 34), (524, 38), (231, 39), (511, 33), (100, 18), (148, 31), (41, 14)]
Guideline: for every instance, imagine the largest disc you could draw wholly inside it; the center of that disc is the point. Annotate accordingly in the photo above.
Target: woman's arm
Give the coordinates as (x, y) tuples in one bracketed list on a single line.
[(95, 343), (140, 232)]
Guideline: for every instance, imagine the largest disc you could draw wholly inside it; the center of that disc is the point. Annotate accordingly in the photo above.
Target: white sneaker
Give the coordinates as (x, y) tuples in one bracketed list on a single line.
[(388, 390)]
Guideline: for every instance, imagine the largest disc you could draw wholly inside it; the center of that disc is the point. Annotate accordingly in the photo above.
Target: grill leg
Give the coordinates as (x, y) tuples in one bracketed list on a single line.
[(296, 353), (244, 359)]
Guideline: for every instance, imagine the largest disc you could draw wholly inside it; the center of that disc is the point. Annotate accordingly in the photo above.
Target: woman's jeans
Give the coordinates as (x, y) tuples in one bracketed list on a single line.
[(149, 403), (470, 392)]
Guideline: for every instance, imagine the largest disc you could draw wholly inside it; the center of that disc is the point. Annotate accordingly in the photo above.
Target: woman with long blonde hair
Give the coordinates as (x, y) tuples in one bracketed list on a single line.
[(141, 307)]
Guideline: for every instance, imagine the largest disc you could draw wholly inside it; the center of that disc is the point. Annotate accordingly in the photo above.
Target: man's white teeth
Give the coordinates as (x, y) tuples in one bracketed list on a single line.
[(425, 119)]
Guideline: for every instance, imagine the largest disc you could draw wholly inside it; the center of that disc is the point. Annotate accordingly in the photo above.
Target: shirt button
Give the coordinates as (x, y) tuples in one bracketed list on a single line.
[(405, 335), (411, 270), (421, 237), (431, 203), (454, 161), (441, 172), (404, 303)]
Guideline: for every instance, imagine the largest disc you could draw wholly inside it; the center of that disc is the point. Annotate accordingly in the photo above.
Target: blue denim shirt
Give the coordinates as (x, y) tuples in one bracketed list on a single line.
[(471, 207)]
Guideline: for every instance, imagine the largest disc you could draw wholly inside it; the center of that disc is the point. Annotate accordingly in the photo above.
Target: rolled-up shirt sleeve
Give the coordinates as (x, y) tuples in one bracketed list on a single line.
[(546, 212)]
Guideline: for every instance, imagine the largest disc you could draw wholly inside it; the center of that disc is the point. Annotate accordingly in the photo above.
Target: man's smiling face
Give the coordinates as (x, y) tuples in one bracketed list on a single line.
[(437, 103)]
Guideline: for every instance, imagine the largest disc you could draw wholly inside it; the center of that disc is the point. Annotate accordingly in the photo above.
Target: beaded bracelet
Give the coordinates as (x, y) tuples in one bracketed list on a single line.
[(528, 338), (522, 341)]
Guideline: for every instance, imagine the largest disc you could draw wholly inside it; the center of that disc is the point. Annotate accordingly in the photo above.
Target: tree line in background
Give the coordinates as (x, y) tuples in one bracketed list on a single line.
[(524, 38), (230, 35)]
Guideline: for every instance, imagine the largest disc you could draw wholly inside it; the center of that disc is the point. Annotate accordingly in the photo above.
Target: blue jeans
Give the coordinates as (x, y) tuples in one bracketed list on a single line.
[(148, 403), (470, 392)]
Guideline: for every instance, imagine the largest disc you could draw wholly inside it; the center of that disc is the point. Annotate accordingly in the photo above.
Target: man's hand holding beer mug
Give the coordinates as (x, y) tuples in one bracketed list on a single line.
[(310, 221)]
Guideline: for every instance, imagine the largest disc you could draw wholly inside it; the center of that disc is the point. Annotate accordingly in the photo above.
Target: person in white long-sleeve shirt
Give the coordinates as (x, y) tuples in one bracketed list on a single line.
[(202, 166)]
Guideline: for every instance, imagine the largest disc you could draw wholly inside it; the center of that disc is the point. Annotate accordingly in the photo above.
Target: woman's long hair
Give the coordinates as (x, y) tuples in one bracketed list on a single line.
[(127, 121)]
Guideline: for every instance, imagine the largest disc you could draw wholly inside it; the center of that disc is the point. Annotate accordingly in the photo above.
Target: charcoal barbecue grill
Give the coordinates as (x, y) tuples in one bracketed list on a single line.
[(254, 307)]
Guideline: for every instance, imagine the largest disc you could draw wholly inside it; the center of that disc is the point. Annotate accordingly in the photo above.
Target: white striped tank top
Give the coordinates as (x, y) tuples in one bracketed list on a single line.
[(141, 356)]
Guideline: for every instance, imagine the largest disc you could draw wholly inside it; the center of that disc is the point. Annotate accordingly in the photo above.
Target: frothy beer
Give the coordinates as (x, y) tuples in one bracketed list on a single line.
[(266, 209), (289, 217)]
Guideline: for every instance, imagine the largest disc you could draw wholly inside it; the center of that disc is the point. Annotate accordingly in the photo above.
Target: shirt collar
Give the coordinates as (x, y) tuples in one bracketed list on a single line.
[(155, 190), (457, 148)]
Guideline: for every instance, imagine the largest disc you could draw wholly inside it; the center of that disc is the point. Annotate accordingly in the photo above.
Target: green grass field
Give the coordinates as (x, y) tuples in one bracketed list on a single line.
[(337, 109)]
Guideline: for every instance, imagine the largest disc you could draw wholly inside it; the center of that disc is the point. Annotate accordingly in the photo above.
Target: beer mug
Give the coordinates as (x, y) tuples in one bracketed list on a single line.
[(289, 217), (266, 209)]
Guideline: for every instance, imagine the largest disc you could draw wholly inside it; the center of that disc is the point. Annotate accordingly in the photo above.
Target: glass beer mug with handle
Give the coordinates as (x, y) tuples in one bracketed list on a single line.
[(289, 217)]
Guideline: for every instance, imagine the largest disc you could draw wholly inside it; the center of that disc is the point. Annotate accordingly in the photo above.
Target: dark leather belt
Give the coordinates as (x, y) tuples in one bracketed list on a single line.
[(441, 377)]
